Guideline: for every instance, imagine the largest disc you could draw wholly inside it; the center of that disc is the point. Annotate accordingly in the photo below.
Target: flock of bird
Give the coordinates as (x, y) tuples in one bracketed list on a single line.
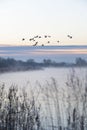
[(35, 39)]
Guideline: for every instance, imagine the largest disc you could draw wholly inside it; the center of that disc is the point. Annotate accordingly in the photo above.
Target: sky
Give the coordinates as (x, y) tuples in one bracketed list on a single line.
[(57, 18)]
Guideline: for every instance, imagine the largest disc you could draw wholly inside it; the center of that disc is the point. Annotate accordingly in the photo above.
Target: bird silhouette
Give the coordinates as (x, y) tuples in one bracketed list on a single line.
[(23, 39), (45, 36), (48, 42), (31, 39), (39, 37), (36, 36), (58, 41), (35, 44), (69, 36), (49, 36)]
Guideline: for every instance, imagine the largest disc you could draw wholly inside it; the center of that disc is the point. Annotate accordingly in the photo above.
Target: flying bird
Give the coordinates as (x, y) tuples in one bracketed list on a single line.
[(48, 42), (58, 41), (23, 39), (31, 39), (36, 36), (45, 36), (35, 44), (49, 36), (69, 36)]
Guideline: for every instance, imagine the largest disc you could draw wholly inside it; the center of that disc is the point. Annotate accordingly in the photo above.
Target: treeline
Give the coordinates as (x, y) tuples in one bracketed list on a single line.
[(10, 64)]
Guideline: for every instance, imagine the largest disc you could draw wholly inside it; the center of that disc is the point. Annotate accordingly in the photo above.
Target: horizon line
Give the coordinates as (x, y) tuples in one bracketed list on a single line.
[(8, 45)]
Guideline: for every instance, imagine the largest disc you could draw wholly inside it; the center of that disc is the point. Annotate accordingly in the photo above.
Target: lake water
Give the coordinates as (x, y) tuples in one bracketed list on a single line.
[(21, 78), (38, 53), (30, 79), (40, 81)]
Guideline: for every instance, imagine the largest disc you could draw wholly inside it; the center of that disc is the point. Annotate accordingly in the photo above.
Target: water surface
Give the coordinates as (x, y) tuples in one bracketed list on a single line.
[(38, 53)]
